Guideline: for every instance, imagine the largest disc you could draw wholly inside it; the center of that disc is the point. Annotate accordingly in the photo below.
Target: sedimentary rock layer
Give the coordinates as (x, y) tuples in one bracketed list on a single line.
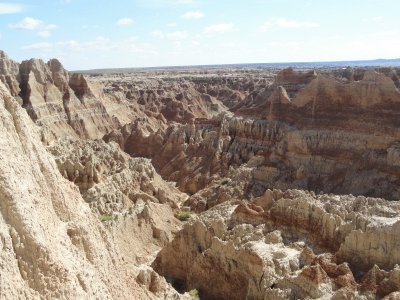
[(309, 131)]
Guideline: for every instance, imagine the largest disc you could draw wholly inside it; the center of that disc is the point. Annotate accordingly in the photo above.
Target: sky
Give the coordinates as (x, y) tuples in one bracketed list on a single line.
[(89, 34)]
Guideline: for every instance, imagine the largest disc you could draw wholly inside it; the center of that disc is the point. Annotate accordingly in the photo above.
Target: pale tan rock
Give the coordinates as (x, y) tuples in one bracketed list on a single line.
[(260, 245), (9, 74), (53, 246)]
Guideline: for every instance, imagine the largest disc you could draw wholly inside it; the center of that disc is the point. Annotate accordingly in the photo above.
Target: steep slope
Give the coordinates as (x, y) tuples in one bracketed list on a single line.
[(9, 73), (53, 246), (62, 104), (126, 193)]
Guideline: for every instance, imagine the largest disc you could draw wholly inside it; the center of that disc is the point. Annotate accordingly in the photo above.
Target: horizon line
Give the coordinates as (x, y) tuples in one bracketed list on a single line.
[(272, 64)]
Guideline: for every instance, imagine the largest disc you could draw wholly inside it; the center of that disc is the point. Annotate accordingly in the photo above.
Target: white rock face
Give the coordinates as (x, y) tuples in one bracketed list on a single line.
[(52, 245)]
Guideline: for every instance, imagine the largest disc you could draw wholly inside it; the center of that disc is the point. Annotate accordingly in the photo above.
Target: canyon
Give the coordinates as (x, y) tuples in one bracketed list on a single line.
[(210, 183)]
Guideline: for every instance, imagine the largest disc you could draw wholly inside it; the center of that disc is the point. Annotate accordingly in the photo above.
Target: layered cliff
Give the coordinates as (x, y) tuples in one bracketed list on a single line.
[(63, 103), (320, 133), (9, 74)]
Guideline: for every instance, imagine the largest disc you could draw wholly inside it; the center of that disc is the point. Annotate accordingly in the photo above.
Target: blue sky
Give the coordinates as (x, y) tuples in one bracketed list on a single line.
[(86, 34)]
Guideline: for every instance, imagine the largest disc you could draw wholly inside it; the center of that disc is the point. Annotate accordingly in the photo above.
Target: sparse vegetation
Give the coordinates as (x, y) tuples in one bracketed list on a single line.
[(223, 181), (105, 218), (194, 293), (184, 215)]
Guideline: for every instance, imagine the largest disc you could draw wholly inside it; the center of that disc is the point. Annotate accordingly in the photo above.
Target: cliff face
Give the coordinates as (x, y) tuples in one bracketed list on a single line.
[(53, 246), (9, 73), (62, 104)]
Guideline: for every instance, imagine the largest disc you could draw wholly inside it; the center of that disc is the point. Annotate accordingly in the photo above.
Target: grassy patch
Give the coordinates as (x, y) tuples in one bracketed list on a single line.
[(184, 215), (105, 218)]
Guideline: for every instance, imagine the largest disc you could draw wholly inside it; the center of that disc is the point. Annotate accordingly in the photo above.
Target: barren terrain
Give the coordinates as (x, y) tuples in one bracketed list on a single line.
[(210, 183)]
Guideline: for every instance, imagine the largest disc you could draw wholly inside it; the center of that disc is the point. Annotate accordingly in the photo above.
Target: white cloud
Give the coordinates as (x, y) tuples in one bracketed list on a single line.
[(9, 8), (70, 43), (28, 24), (177, 35), (284, 23), (50, 26), (32, 24), (44, 34), (173, 36), (124, 22), (157, 34), (219, 28), (193, 15), (38, 46)]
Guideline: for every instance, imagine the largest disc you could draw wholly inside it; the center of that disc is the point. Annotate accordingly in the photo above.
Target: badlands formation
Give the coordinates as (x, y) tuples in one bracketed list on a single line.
[(199, 183)]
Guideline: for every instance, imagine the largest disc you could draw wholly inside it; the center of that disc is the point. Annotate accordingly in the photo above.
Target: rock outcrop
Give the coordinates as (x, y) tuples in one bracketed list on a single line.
[(9, 74), (61, 104), (135, 204), (125, 190), (52, 244), (288, 245)]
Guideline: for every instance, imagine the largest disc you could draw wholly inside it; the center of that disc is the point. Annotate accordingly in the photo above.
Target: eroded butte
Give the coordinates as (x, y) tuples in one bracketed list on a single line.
[(220, 183)]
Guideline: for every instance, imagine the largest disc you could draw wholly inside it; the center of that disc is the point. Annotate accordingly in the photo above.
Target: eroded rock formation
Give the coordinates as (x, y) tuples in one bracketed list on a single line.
[(52, 245), (236, 142), (288, 245), (126, 191), (320, 133)]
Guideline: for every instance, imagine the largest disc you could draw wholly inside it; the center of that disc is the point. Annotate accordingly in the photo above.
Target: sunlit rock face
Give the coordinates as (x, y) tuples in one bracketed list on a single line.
[(52, 245)]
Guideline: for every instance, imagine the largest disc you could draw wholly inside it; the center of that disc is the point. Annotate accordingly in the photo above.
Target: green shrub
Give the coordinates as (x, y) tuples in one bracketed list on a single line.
[(105, 218), (194, 293), (183, 215)]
